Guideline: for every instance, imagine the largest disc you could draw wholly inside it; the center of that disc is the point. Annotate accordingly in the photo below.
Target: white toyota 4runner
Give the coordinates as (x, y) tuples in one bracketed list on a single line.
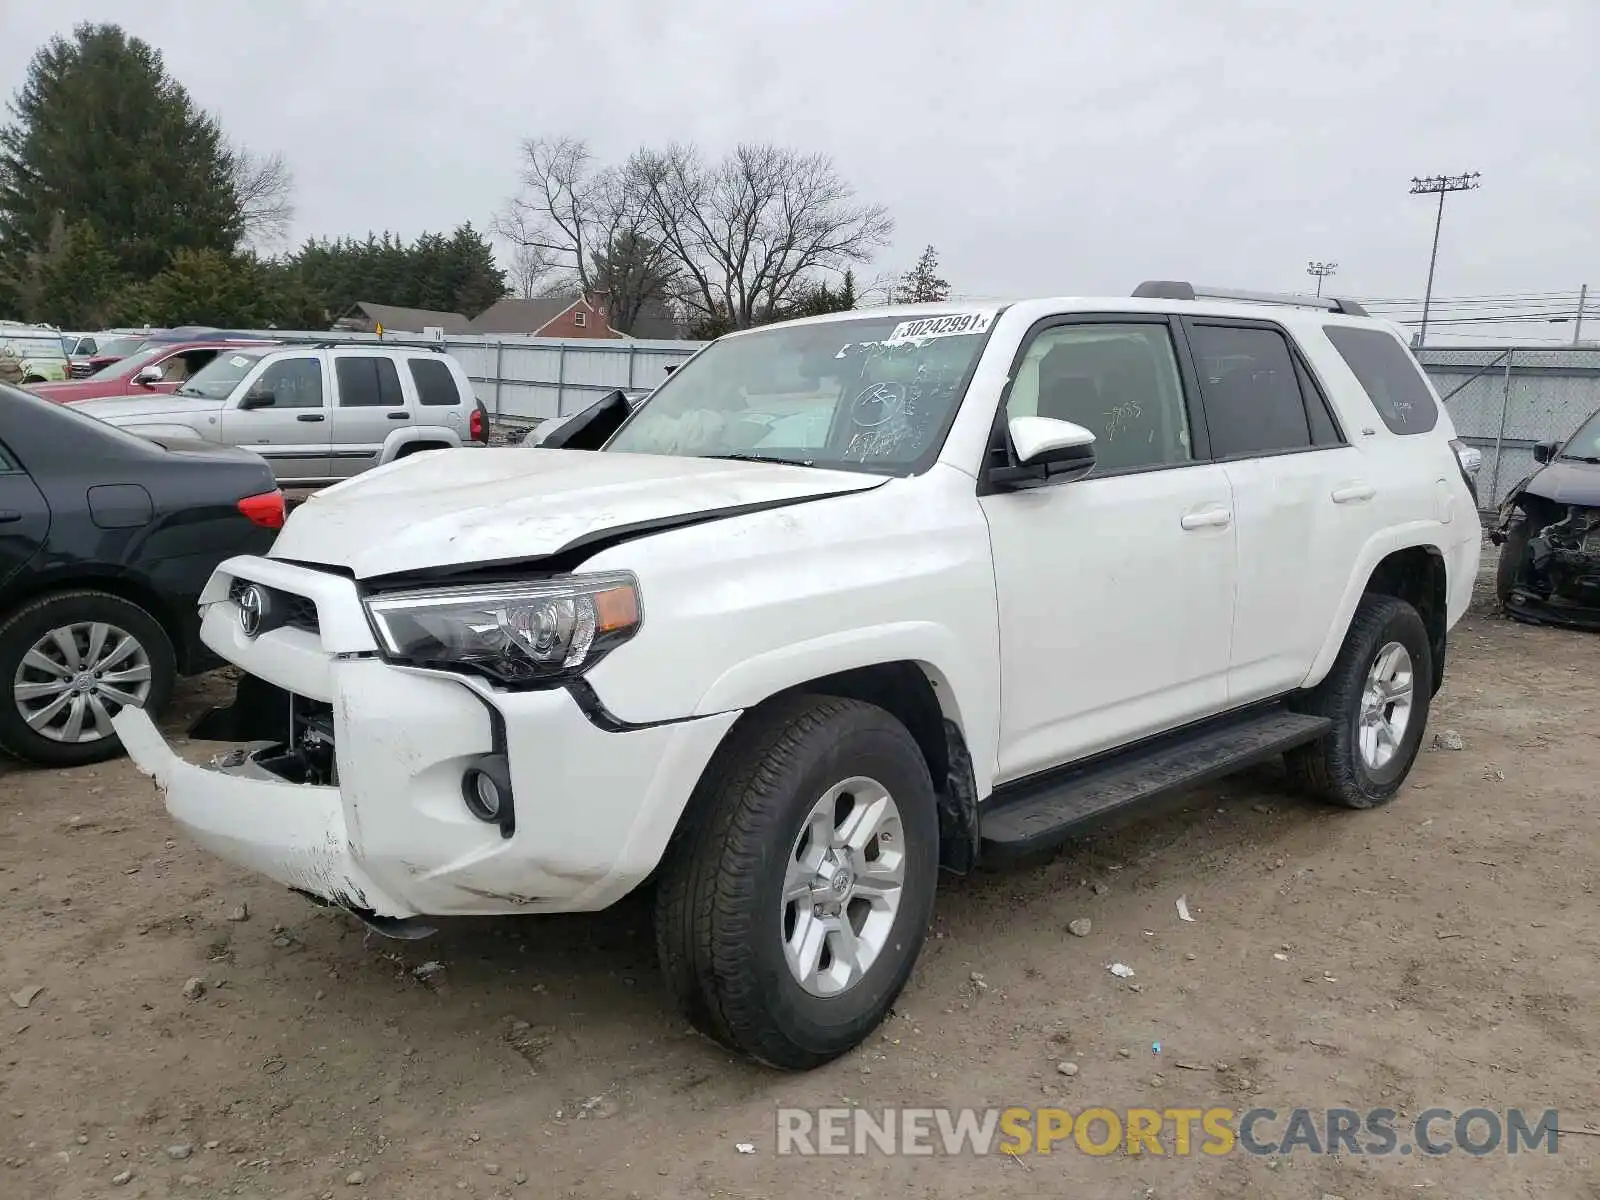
[(845, 602)]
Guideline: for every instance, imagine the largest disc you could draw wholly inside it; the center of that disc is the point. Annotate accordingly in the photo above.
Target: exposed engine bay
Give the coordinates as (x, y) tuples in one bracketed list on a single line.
[(1556, 575)]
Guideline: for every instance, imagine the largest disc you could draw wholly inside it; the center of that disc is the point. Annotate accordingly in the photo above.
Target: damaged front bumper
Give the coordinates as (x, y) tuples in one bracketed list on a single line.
[(295, 835), (381, 825), (1557, 580)]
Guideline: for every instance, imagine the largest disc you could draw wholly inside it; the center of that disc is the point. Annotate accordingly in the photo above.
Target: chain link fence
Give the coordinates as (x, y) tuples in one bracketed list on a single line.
[(1505, 400)]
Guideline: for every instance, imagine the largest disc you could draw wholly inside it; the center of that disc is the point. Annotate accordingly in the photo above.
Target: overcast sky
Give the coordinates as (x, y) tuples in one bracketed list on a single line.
[(1044, 148)]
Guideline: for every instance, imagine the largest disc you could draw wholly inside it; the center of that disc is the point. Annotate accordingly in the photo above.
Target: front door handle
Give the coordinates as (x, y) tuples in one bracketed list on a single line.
[(400, 416), (308, 416), (8, 515), (1353, 493), (1208, 518)]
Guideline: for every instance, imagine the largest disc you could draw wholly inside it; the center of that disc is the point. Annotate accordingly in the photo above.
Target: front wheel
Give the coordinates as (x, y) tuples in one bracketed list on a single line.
[(790, 912), (68, 663), (1377, 696)]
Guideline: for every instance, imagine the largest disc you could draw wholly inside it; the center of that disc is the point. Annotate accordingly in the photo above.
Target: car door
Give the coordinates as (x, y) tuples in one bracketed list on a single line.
[(370, 404), (24, 517), (280, 410), (1300, 492), (1115, 590)]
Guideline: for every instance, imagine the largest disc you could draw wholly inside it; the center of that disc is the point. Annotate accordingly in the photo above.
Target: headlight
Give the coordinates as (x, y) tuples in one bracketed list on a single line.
[(511, 632)]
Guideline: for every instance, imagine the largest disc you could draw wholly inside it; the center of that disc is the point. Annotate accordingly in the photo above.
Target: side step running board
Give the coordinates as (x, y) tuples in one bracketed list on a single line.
[(1042, 812)]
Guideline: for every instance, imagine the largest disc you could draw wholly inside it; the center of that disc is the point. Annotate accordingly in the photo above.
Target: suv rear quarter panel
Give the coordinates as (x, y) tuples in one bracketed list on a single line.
[(1420, 496)]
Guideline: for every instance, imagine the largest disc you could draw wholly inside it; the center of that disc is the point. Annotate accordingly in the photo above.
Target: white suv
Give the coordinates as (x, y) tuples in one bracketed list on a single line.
[(317, 414), (846, 601)]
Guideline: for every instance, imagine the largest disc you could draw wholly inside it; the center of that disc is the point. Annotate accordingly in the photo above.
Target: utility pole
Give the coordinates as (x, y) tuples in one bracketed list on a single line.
[(1427, 186), (1577, 328), (1321, 270)]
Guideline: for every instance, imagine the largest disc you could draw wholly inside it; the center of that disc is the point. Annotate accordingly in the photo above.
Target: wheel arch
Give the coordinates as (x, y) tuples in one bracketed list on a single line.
[(919, 696), (1410, 568)]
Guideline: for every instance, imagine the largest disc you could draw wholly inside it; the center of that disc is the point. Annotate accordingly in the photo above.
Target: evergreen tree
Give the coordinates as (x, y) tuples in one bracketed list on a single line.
[(922, 284), (203, 287), (102, 135)]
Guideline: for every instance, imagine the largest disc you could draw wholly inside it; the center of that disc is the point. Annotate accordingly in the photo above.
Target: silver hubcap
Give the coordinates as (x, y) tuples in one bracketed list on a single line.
[(841, 891), (1385, 706), (75, 678)]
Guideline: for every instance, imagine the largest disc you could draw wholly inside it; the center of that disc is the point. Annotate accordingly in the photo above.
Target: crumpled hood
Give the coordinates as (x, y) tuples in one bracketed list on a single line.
[(473, 506), (1568, 483), (157, 408)]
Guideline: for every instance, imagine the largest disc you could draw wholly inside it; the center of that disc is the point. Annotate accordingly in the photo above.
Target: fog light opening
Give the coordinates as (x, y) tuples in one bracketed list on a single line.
[(486, 790)]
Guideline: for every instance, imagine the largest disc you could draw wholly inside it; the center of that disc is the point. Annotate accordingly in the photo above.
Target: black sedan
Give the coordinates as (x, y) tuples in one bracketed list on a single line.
[(1548, 532), (106, 540)]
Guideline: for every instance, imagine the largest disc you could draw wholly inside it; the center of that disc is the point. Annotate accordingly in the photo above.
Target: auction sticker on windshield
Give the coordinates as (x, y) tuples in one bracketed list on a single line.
[(953, 325)]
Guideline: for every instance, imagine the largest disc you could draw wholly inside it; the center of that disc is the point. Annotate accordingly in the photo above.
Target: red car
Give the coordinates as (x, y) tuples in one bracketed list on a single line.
[(154, 370)]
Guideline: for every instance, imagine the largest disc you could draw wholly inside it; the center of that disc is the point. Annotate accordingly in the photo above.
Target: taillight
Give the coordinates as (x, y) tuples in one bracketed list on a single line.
[(1469, 459), (475, 429), (265, 510)]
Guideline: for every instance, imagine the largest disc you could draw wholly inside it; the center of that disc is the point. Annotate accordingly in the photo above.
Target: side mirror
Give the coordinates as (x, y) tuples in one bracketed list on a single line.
[(1543, 452), (255, 398), (148, 376), (1045, 449), (671, 367)]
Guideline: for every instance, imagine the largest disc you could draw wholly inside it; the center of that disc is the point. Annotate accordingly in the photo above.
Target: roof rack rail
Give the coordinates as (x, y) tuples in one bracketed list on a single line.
[(1174, 289)]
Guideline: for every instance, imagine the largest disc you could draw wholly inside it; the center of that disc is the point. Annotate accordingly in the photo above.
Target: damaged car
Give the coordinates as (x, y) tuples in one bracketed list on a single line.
[(1548, 531), (846, 602)]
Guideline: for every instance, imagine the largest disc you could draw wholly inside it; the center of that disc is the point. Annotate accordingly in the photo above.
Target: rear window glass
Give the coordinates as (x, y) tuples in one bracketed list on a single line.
[(368, 383), (435, 385), (1390, 377)]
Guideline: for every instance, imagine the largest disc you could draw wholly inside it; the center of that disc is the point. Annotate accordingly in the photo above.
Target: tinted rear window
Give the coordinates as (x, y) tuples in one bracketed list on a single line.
[(1390, 377), (368, 383), (435, 385), (1251, 390)]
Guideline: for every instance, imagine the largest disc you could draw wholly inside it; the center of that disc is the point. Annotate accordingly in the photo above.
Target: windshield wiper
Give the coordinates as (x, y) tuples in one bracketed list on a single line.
[(1583, 458), (745, 456)]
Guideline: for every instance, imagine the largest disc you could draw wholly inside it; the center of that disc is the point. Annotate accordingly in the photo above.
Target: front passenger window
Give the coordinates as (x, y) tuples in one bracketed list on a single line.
[(293, 383), (1119, 381)]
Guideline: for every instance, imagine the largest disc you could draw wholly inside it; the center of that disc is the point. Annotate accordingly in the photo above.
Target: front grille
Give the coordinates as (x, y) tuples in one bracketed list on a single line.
[(299, 612)]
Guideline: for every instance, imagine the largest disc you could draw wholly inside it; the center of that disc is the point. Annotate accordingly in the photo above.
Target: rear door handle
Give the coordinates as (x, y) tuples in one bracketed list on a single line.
[(1207, 518), (400, 416), (1353, 493), (8, 515), (308, 416)]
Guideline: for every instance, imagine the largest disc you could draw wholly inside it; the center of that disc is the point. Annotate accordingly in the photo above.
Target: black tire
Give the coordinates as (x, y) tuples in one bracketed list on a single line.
[(719, 915), (1332, 769), (23, 628), (1513, 557)]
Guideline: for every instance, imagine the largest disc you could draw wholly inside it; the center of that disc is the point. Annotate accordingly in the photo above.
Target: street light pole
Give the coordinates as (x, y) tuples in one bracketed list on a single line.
[(1321, 270), (1427, 186)]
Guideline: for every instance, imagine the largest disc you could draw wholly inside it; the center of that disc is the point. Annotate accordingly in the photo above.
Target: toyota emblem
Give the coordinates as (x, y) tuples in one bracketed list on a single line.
[(252, 601)]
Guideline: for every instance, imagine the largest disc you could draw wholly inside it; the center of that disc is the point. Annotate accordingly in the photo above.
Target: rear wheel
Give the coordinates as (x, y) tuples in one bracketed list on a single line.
[(789, 914), (68, 663), (1377, 696)]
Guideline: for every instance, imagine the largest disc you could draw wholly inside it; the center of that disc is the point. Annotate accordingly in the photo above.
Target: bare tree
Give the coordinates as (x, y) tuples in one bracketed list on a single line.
[(749, 232), (263, 187), (588, 226)]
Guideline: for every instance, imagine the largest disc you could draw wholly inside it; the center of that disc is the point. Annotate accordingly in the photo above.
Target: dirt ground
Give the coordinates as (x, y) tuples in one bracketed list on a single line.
[(1440, 952)]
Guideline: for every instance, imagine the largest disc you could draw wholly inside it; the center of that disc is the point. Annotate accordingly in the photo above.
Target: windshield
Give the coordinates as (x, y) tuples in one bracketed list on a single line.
[(118, 347), (217, 379), (1585, 444), (125, 366), (874, 394)]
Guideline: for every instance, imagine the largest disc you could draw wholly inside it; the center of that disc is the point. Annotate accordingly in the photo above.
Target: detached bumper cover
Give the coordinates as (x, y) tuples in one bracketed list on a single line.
[(594, 809), (295, 835)]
